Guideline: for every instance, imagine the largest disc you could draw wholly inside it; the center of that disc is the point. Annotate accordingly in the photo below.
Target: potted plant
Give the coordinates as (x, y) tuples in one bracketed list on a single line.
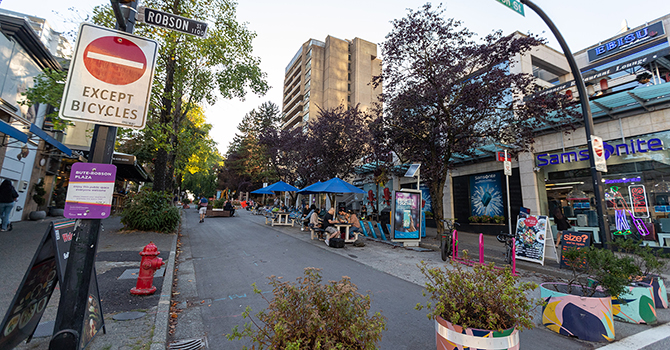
[(485, 219), (651, 263), (474, 219), (312, 315), (581, 306), (38, 197), (478, 305)]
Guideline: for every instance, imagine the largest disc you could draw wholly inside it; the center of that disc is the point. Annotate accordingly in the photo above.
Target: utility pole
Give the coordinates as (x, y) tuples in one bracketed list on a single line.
[(75, 286)]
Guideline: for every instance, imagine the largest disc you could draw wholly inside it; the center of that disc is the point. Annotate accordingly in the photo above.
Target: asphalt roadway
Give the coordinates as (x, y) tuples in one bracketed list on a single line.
[(221, 258)]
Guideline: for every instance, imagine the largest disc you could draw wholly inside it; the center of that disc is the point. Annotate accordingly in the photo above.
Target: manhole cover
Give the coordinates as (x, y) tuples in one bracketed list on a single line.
[(188, 344)]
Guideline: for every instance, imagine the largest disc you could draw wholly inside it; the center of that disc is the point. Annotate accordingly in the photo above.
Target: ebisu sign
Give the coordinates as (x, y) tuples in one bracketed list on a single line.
[(629, 40), (631, 147), (110, 76)]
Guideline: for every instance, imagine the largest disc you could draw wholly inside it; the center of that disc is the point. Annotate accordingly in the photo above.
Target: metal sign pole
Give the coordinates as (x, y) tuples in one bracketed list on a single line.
[(75, 286), (509, 205)]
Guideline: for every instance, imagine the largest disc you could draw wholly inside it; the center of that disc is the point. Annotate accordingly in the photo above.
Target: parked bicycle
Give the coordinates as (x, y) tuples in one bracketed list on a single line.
[(506, 238), (446, 245)]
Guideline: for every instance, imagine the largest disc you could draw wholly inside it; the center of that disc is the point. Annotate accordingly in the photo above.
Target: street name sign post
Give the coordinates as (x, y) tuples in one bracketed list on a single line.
[(110, 78), (514, 5), (172, 22)]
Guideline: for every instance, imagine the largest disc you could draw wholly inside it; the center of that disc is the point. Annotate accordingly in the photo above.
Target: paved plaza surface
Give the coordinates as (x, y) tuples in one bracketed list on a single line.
[(215, 263)]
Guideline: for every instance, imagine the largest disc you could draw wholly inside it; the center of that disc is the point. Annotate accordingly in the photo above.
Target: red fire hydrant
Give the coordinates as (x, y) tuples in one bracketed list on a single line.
[(150, 263)]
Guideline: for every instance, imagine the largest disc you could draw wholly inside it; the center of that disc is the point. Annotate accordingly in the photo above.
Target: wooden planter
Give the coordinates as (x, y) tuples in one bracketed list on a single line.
[(451, 337), (660, 293), (636, 305), (587, 318)]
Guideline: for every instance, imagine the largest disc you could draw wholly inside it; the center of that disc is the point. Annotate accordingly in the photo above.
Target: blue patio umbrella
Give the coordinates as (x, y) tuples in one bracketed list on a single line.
[(336, 185), (308, 189), (281, 186), (262, 191)]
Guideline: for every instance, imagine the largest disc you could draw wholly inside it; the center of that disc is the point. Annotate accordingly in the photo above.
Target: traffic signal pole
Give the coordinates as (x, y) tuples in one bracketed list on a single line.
[(74, 288), (596, 177)]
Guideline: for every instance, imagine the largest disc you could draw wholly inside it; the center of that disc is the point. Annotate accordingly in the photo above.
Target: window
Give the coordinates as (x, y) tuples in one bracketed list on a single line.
[(348, 98), (349, 57), (306, 108), (307, 96), (348, 87), (305, 117), (307, 86), (308, 74), (308, 65), (349, 66), (349, 76)]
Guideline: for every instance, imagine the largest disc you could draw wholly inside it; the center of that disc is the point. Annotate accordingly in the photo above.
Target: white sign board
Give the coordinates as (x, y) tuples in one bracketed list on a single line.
[(110, 78), (508, 168), (599, 153)]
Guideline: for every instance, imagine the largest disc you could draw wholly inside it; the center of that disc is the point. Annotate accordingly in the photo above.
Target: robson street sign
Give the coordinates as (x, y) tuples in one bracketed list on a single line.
[(514, 5), (172, 22)]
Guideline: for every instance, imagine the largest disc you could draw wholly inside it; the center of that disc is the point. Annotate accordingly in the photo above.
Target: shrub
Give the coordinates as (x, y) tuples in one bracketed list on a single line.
[(38, 193), (474, 219), (648, 260), (596, 269), (151, 211), (498, 219), (483, 297), (219, 203), (311, 315)]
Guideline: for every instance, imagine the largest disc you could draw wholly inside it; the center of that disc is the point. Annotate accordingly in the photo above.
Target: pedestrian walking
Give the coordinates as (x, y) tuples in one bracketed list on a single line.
[(203, 208), (8, 196)]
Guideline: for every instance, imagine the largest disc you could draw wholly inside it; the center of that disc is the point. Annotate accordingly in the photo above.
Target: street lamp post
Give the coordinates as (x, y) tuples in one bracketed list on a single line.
[(596, 177)]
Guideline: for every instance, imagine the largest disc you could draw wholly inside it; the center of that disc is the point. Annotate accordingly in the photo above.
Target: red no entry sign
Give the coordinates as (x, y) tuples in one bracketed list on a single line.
[(115, 60)]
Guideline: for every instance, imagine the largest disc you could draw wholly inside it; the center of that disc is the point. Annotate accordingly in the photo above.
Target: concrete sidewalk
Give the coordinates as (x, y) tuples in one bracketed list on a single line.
[(117, 263)]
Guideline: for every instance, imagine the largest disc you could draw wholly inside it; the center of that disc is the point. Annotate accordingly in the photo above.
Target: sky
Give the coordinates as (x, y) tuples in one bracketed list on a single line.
[(283, 26)]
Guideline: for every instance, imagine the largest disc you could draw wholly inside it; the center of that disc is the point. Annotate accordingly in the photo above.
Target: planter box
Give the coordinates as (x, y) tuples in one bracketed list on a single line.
[(587, 318), (636, 305), (450, 336), (660, 293), (218, 213)]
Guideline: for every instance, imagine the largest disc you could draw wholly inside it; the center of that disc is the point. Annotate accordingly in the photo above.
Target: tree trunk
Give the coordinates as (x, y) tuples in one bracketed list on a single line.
[(160, 169), (437, 194)]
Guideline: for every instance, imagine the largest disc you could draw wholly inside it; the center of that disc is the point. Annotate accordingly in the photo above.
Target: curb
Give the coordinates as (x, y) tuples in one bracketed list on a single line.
[(159, 340)]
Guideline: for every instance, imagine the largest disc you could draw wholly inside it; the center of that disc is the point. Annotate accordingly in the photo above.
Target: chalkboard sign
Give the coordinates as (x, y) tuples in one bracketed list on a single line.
[(573, 239), (32, 296)]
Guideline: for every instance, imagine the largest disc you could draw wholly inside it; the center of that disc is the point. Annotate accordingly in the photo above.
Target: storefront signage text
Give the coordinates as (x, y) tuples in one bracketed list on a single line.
[(627, 41), (634, 146)]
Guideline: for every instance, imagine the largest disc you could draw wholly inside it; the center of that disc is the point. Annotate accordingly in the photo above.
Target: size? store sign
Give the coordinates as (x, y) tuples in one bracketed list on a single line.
[(110, 78)]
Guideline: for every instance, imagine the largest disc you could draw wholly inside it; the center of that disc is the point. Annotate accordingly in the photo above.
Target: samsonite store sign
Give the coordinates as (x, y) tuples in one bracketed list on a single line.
[(612, 148), (632, 39), (110, 78)]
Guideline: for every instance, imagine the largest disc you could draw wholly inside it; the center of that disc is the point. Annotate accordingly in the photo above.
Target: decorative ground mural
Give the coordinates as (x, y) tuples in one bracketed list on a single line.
[(638, 306), (588, 319)]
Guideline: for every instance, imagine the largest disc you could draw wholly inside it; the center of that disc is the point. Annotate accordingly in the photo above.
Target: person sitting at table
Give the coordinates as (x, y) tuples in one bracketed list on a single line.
[(353, 220), (328, 221), (314, 218), (342, 215), (229, 207)]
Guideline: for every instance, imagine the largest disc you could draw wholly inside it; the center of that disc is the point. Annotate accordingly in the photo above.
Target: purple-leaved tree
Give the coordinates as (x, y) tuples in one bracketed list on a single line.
[(446, 94)]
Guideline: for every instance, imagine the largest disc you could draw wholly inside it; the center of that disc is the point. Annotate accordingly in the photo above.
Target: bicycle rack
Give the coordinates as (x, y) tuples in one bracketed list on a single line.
[(468, 262)]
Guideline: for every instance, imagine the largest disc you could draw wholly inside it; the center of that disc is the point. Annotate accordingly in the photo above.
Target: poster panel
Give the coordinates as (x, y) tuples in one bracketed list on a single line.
[(406, 215), (530, 238), (574, 240), (486, 196)]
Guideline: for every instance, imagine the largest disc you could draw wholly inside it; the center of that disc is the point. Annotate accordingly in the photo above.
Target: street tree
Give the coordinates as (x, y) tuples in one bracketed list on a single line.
[(192, 70), (447, 94)]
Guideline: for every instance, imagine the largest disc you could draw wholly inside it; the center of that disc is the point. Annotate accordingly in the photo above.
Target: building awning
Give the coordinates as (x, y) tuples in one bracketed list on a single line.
[(50, 140), (127, 168), (13, 132)]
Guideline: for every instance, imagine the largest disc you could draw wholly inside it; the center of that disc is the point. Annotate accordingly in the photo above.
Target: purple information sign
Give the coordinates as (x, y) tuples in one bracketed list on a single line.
[(89, 194)]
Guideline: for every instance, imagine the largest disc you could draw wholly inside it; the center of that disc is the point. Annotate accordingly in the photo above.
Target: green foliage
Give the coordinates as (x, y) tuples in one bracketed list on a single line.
[(648, 260), (596, 270), (200, 183), (474, 219), (151, 211), (48, 89), (483, 297), (498, 219), (39, 192), (59, 195), (219, 203), (311, 315)]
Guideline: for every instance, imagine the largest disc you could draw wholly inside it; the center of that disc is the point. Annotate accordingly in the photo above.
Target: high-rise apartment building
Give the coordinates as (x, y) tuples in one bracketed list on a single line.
[(326, 75)]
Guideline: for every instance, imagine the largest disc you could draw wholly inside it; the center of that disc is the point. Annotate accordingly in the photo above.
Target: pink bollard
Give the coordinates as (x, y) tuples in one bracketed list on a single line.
[(514, 256), (454, 245), (481, 248)]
